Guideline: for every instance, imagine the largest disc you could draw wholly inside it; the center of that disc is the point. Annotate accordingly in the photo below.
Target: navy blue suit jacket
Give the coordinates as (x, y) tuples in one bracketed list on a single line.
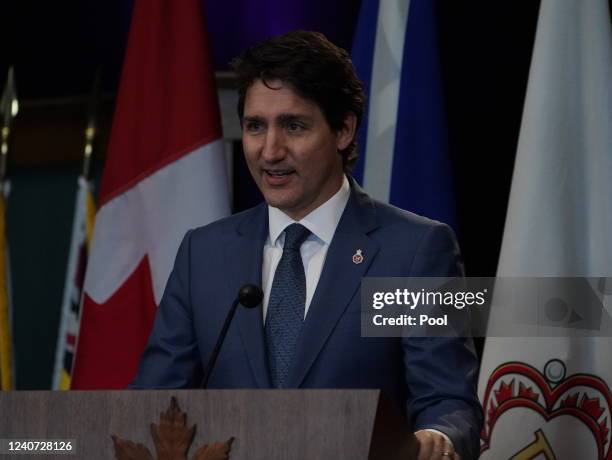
[(432, 379)]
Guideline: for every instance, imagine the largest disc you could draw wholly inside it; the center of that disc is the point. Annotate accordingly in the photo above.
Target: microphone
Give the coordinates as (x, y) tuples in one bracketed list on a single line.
[(250, 296)]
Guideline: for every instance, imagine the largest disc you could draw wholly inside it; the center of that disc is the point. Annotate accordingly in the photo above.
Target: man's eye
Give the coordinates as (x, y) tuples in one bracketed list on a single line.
[(295, 127), (253, 126)]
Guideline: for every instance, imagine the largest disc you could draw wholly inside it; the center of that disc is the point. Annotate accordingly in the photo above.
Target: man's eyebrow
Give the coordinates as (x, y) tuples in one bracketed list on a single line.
[(254, 118), (281, 119), (289, 117)]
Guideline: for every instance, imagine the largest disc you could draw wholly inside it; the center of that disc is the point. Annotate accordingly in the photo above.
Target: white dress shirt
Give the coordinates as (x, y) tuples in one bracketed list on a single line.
[(322, 223)]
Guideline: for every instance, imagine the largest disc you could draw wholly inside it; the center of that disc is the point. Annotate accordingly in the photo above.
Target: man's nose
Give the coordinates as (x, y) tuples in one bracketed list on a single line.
[(274, 148)]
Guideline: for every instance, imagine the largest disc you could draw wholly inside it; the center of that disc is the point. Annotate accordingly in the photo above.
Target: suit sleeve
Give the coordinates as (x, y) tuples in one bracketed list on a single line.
[(171, 358), (441, 373)]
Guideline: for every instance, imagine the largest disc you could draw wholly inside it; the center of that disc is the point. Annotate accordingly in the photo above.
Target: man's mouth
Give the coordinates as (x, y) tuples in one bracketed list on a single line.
[(278, 172), (278, 177)]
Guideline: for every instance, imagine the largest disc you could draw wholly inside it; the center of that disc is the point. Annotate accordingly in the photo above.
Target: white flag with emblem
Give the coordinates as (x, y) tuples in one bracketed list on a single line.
[(549, 398)]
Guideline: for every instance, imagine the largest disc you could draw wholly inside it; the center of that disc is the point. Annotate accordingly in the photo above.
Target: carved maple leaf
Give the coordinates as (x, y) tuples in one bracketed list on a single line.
[(172, 438), (128, 450), (214, 451)]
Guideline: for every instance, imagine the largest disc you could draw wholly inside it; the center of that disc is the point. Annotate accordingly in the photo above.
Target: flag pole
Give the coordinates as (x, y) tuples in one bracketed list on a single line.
[(82, 229), (90, 137), (9, 107), (91, 129)]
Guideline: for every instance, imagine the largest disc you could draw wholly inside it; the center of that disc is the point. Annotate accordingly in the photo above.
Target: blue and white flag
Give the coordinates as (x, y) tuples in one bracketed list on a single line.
[(403, 141)]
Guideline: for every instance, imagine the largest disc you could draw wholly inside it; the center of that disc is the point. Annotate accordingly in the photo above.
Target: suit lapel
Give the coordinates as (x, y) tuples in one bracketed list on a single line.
[(246, 253), (339, 280)]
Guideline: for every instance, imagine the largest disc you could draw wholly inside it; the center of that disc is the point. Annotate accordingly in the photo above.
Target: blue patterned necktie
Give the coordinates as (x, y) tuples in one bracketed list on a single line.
[(285, 314)]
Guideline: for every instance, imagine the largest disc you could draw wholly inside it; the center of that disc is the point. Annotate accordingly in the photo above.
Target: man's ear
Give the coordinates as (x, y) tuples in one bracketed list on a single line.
[(346, 133)]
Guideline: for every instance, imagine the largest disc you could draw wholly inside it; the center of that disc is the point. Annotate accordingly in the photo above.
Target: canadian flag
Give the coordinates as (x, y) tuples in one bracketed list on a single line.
[(165, 173)]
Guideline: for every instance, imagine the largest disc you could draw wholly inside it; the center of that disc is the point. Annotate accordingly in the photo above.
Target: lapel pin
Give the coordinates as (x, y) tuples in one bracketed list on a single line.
[(357, 257)]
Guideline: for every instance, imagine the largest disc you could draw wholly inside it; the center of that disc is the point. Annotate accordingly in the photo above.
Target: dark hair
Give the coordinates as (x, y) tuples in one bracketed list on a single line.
[(315, 68)]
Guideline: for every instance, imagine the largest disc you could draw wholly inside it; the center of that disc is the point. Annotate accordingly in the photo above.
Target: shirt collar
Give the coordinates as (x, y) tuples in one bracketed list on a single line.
[(321, 222)]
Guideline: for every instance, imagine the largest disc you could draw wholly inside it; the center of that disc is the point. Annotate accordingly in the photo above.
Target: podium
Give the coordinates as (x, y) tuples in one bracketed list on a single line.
[(211, 424)]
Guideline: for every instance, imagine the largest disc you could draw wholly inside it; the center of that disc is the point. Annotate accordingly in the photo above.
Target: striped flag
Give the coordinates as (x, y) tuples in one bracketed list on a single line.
[(550, 398), (7, 377), (165, 173), (82, 229), (403, 138)]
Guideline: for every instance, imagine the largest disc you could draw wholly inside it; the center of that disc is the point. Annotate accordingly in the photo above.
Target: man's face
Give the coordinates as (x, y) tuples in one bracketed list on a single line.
[(290, 149)]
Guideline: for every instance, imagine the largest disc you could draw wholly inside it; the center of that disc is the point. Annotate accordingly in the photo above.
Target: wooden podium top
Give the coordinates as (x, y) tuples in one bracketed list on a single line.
[(264, 424)]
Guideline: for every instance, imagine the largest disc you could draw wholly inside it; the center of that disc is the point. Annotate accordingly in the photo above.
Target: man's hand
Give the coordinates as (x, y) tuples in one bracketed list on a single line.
[(433, 446)]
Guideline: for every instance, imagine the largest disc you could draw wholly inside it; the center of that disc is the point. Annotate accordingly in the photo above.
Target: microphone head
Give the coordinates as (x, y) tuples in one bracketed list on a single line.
[(250, 295)]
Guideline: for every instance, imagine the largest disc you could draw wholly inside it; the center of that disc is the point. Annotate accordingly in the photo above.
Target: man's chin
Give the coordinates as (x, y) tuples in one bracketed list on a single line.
[(281, 201), (283, 205)]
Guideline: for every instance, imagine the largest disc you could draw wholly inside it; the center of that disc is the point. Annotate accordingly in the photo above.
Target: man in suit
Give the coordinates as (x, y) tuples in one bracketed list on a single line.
[(308, 246)]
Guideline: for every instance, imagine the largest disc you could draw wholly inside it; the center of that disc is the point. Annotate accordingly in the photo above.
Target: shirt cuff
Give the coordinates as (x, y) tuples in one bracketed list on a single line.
[(441, 434)]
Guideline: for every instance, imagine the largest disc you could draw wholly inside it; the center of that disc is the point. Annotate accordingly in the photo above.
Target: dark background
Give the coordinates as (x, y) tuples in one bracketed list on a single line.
[(56, 47)]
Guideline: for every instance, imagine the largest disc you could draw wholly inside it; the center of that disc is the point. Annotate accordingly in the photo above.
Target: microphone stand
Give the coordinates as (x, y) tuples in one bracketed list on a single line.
[(250, 296)]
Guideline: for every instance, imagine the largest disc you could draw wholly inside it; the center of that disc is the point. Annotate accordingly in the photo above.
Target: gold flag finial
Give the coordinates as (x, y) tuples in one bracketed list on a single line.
[(91, 129), (9, 107)]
